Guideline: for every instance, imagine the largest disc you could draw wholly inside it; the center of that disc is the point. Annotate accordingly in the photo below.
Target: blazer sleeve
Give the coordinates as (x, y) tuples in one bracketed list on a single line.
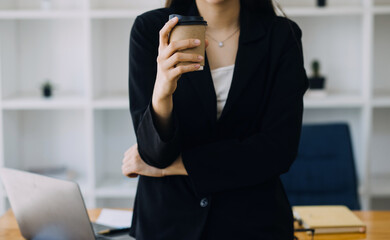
[(153, 148), (236, 163)]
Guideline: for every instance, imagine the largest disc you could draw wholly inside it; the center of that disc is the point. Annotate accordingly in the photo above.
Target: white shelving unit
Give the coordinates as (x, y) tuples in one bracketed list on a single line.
[(82, 47)]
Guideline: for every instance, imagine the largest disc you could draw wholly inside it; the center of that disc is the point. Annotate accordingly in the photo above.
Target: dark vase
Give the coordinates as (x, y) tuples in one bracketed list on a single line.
[(47, 92), (321, 3), (317, 83)]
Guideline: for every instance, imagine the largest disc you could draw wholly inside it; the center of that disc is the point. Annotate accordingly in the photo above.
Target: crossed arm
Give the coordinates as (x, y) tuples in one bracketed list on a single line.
[(133, 165)]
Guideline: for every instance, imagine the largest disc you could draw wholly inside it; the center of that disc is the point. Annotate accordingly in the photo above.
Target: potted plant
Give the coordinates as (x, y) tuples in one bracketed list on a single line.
[(317, 82), (321, 3), (47, 89)]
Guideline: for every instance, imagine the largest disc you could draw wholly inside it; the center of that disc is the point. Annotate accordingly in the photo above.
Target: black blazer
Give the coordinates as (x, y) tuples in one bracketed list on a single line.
[(233, 190)]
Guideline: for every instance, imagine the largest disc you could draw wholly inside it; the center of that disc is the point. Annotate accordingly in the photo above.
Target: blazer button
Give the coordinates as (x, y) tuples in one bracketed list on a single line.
[(204, 202)]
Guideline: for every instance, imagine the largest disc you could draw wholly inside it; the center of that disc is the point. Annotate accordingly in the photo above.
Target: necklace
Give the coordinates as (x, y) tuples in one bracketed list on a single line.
[(221, 43)]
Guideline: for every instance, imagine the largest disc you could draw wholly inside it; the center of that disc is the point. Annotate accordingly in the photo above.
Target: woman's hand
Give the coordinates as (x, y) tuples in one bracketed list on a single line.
[(133, 165), (168, 75), (168, 57)]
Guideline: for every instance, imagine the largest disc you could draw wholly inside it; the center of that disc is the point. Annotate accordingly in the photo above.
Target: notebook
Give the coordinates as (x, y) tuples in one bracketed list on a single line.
[(329, 219)]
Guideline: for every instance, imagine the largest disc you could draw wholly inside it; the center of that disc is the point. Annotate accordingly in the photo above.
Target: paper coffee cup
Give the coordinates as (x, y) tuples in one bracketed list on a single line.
[(193, 27)]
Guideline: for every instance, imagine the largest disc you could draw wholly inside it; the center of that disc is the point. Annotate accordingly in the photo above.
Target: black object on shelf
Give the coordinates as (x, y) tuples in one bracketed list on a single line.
[(47, 89), (317, 81), (321, 3)]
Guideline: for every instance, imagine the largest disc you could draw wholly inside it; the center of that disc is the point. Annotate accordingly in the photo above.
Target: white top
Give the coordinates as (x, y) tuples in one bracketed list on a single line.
[(222, 79)]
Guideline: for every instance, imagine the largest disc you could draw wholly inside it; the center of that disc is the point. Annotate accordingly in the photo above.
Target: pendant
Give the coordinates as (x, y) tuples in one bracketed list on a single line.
[(220, 44)]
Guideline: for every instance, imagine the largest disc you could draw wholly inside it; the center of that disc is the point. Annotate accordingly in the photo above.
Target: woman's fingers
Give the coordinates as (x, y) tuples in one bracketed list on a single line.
[(133, 165), (181, 57), (164, 32), (179, 45), (129, 168), (179, 70), (130, 150)]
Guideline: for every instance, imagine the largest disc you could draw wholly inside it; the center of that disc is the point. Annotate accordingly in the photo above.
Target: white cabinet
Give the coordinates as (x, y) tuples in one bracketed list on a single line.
[(19, 5), (36, 139), (381, 74), (379, 153), (37, 50), (339, 54), (82, 47), (113, 135), (110, 54)]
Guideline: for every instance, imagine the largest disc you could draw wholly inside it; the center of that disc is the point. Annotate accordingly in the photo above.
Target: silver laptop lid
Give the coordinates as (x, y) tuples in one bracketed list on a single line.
[(46, 208)]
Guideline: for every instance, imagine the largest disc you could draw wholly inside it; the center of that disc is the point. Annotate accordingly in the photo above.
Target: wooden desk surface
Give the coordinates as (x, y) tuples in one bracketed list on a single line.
[(378, 227)]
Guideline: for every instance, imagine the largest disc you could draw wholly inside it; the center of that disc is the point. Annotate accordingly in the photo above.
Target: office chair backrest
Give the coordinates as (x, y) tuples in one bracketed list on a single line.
[(324, 171)]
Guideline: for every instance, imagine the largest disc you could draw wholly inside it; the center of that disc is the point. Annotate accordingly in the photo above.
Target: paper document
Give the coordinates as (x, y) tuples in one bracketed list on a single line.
[(115, 218)]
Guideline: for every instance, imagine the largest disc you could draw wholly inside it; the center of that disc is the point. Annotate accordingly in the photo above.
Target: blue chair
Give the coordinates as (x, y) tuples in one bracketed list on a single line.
[(324, 171)]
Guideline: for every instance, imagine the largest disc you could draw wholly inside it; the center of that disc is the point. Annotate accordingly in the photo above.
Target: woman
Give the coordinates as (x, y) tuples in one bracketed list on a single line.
[(213, 143)]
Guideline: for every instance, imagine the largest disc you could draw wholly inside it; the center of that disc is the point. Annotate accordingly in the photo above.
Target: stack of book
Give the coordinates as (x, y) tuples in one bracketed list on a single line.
[(329, 219)]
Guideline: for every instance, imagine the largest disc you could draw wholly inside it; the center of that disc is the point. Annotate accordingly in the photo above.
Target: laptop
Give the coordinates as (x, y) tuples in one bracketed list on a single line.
[(49, 208)]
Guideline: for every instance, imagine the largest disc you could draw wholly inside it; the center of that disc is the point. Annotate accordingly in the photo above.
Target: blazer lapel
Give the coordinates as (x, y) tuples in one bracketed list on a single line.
[(203, 84), (250, 54)]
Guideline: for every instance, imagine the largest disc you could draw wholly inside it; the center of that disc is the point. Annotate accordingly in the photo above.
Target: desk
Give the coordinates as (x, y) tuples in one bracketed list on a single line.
[(378, 227), (9, 229)]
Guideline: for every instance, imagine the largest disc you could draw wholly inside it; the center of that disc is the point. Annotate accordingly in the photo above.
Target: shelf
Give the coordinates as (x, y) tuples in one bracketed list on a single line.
[(36, 102), (41, 14), (381, 100), (112, 102), (46, 138), (131, 13), (379, 149), (114, 134), (36, 5), (334, 101), (381, 56), (324, 40), (327, 11), (381, 3), (125, 4), (37, 50), (383, 10), (313, 4), (117, 188), (380, 186), (110, 57)]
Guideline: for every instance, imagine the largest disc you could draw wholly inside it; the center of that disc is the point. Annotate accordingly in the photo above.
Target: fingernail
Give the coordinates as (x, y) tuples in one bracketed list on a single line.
[(173, 19), (200, 57), (197, 41), (197, 65)]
